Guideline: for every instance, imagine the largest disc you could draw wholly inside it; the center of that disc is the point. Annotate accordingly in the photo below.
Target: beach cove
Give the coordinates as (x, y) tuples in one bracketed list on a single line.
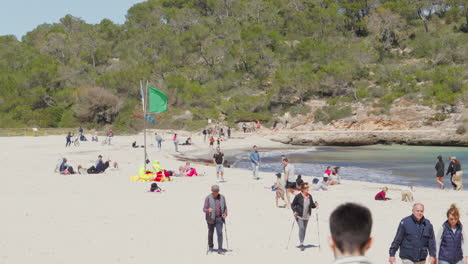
[(52, 218)]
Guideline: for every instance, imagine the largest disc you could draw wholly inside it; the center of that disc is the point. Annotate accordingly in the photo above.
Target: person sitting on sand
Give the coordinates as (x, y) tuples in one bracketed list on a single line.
[(334, 177), (65, 168), (318, 185), (381, 196), (299, 182), (99, 167), (407, 194), (189, 171), (187, 142), (326, 175), (279, 189)]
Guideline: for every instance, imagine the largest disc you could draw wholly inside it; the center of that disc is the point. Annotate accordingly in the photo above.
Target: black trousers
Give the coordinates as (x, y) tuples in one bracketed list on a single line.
[(218, 224)]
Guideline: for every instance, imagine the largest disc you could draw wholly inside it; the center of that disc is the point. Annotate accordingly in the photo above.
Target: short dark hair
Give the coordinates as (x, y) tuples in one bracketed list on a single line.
[(286, 159), (350, 227)]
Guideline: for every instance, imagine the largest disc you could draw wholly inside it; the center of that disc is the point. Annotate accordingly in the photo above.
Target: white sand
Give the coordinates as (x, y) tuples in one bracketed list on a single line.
[(51, 218)]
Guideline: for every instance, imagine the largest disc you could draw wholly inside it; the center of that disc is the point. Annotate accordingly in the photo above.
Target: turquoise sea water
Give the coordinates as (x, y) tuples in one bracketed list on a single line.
[(395, 164)]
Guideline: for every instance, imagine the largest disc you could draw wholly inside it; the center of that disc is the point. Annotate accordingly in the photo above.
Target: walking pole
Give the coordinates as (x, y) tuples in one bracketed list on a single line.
[(318, 229), (225, 230), (290, 233)]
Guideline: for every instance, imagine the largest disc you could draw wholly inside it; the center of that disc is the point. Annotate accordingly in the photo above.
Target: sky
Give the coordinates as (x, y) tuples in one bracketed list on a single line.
[(17, 17)]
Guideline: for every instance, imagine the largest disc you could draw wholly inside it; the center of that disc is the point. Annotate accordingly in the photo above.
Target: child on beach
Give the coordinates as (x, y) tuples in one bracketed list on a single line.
[(279, 189), (381, 196)]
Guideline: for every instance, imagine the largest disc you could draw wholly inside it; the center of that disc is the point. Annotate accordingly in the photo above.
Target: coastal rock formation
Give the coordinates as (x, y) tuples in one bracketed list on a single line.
[(357, 138), (404, 123)]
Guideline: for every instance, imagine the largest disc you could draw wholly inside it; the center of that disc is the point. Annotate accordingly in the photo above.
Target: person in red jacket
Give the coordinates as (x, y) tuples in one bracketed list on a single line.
[(381, 196)]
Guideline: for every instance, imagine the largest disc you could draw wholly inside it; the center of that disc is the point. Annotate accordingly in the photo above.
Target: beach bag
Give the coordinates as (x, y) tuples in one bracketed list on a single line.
[(154, 187)]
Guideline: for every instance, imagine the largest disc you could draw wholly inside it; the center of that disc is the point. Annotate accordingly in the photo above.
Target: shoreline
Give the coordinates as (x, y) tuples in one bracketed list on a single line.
[(197, 158)]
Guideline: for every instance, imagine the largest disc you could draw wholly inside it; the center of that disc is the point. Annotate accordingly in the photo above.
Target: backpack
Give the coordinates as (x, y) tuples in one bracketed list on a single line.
[(154, 187)]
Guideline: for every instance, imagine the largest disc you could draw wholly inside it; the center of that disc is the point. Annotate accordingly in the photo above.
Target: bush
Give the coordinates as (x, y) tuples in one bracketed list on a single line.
[(461, 130), (327, 114), (98, 105), (440, 117), (299, 110)]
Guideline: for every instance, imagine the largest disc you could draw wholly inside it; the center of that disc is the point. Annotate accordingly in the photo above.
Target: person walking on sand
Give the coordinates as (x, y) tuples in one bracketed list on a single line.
[(457, 177), (451, 170), (290, 184), (302, 208), (255, 160), (218, 160), (204, 132), (350, 228), (440, 169), (212, 142), (215, 210), (415, 238), (158, 140), (175, 139), (69, 136), (279, 189), (450, 240)]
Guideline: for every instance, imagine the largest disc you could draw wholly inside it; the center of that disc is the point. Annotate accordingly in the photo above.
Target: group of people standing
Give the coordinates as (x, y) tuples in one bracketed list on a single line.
[(454, 169)]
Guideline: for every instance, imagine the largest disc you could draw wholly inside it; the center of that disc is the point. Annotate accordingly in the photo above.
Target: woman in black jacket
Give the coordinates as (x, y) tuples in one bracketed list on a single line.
[(302, 207), (440, 168)]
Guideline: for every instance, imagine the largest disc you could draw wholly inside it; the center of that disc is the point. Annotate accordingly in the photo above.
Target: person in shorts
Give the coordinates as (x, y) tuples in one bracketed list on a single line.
[(218, 160), (289, 173)]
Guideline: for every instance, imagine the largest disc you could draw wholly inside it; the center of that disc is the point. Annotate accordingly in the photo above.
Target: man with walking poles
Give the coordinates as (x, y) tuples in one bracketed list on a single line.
[(215, 210), (415, 238)]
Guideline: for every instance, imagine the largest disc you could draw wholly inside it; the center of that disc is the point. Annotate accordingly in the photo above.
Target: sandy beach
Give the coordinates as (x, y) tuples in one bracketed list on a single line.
[(106, 218)]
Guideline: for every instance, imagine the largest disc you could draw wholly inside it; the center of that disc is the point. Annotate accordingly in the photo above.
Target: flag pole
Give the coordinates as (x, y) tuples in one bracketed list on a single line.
[(145, 112)]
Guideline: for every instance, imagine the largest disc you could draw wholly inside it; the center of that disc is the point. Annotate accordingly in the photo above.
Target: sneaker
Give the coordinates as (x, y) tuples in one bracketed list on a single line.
[(221, 251)]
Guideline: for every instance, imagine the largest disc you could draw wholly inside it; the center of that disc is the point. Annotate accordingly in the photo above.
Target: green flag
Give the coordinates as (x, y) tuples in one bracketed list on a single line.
[(157, 101)]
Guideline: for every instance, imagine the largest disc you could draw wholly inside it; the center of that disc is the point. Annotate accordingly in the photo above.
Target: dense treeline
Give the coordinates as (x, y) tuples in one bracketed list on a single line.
[(243, 59)]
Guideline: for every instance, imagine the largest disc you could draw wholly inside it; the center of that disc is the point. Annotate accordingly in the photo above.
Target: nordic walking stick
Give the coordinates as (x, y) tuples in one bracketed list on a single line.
[(225, 230), (290, 233), (318, 228)]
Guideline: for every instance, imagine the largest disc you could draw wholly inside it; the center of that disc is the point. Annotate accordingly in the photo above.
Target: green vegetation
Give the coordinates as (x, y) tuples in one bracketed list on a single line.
[(244, 59)]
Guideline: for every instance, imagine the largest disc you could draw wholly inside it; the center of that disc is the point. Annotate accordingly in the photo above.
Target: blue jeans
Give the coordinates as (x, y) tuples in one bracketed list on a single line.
[(445, 262), (176, 145), (255, 168), (159, 144), (218, 224)]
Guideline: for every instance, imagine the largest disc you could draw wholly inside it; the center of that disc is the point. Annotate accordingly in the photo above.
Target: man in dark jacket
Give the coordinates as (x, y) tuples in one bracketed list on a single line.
[(451, 170), (414, 238), (215, 210)]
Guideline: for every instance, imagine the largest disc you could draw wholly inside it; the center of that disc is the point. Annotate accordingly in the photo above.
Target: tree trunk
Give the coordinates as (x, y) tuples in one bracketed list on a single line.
[(421, 15)]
